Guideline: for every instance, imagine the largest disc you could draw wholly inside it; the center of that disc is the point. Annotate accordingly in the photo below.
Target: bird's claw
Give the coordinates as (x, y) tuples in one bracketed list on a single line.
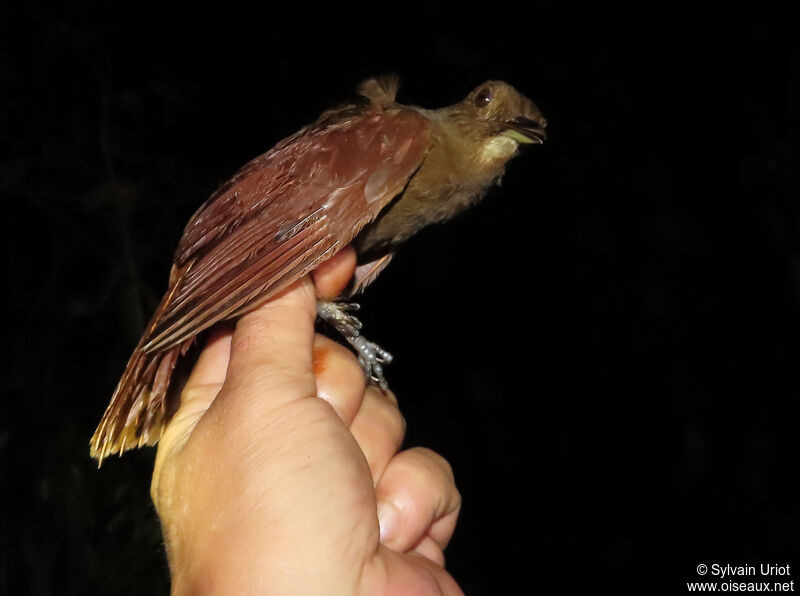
[(337, 315), (371, 356), (348, 306), (353, 324)]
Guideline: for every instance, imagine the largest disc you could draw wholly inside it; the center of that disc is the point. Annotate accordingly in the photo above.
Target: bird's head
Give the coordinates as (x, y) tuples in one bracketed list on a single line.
[(500, 118), (505, 111)]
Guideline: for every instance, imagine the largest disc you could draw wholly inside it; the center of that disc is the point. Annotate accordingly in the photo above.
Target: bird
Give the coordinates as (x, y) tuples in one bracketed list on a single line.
[(369, 173)]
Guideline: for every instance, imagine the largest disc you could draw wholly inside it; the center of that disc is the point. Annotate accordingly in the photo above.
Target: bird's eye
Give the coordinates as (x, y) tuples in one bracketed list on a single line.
[(483, 97)]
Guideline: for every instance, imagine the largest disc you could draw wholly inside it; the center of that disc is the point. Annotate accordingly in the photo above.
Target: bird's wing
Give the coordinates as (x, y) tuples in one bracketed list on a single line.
[(275, 220), (284, 213)]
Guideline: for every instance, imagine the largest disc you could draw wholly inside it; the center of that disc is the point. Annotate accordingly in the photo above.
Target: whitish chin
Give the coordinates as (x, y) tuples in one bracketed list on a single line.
[(501, 147)]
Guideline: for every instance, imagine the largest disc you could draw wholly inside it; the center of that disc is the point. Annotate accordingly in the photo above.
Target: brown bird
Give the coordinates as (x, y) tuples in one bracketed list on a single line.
[(371, 173)]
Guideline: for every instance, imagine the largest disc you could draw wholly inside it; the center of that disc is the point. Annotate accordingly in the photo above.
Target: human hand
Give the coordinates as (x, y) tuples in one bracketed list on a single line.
[(261, 487)]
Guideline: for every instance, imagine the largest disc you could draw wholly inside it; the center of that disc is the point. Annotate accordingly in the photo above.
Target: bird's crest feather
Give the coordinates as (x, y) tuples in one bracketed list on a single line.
[(381, 90)]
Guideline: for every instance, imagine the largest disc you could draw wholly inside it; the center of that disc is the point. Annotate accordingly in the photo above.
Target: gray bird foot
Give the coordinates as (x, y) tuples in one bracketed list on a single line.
[(371, 356)]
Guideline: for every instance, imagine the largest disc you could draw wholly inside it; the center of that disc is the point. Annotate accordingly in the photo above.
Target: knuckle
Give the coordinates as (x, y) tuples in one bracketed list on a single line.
[(438, 462), (393, 420), (389, 395)]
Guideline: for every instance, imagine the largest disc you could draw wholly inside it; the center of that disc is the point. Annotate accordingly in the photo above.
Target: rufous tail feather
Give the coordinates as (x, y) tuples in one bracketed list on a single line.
[(142, 402)]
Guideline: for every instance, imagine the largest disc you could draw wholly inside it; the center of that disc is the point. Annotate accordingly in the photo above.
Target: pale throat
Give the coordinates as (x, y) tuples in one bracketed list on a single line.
[(499, 147)]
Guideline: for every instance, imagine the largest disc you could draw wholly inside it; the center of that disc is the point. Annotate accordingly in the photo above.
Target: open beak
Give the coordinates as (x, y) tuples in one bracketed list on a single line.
[(525, 130)]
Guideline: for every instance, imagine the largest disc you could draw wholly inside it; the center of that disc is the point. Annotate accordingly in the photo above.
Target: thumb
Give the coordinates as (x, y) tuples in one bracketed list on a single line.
[(271, 350), (272, 347), (269, 355)]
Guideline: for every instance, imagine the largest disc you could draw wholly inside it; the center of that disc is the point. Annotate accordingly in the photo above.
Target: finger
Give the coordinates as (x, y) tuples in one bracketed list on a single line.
[(340, 380), (372, 415), (331, 278), (212, 364), (378, 428), (271, 351), (417, 497), (199, 392), (396, 573), (430, 549), (203, 385), (201, 389)]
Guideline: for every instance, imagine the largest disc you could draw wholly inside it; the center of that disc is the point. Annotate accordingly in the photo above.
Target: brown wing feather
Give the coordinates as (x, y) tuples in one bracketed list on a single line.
[(277, 219), (368, 272)]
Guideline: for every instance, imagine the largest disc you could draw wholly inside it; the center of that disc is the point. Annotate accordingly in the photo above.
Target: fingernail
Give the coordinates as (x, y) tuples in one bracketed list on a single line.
[(388, 515)]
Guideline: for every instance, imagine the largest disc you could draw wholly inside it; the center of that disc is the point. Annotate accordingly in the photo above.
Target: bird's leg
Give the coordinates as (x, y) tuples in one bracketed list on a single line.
[(371, 356)]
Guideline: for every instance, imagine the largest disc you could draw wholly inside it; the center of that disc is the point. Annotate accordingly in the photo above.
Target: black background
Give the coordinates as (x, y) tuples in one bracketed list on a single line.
[(605, 349)]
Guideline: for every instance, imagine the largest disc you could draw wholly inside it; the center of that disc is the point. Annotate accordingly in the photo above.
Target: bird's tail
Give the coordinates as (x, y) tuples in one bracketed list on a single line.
[(139, 407), (144, 400)]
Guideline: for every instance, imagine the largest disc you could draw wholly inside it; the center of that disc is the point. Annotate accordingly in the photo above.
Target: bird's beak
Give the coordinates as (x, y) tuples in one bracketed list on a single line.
[(525, 130)]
